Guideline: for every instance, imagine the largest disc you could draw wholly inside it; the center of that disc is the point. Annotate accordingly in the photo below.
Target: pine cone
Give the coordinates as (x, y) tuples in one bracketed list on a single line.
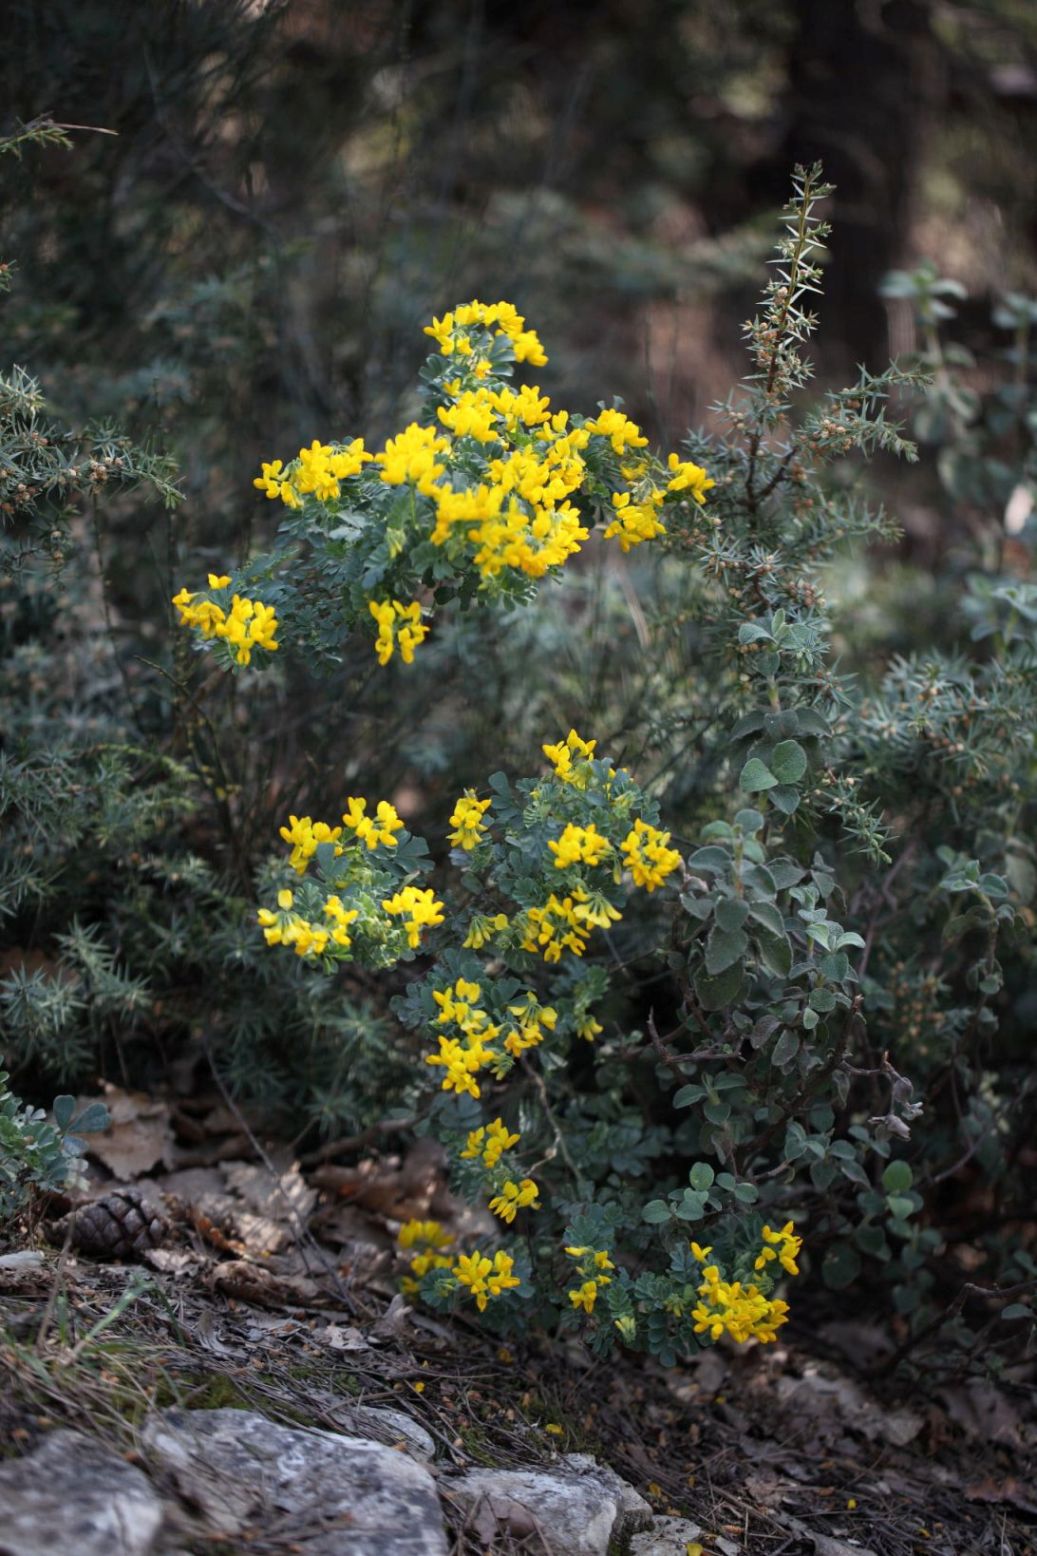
[(119, 1226)]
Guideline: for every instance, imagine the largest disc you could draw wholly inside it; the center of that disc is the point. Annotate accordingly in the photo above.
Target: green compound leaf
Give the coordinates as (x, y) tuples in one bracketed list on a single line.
[(785, 798), (692, 1206), (724, 947), (731, 914), (775, 951), (785, 1049), (756, 776), (64, 1107), (900, 1206), (93, 1118), (788, 761), (841, 1267), (897, 1178), (722, 991)]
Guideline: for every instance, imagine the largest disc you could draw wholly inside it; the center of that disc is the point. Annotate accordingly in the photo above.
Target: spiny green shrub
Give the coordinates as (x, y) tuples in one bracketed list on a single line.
[(125, 870)]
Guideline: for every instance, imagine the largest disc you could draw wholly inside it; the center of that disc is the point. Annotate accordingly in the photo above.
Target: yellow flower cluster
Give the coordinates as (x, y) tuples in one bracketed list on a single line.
[(512, 510), (286, 927), (565, 923), (411, 458), (249, 624), (728, 1307), (376, 829), (489, 1142), (464, 1055), (427, 1238), (419, 907), (621, 432), (570, 758), (304, 834), (400, 626), (579, 845), (686, 477), (514, 1197), (531, 1018), (593, 1262), (319, 470), (483, 928), (647, 857), (635, 522), (485, 1277), (501, 319), (467, 821), (521, 519), (782, 1245), (742, 1312)]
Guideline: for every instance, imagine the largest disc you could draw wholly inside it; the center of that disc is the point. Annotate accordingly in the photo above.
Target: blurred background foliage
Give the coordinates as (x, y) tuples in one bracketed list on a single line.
[(287, 193)]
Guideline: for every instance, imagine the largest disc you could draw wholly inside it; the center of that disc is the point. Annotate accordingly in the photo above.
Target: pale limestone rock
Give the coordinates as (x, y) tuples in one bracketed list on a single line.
[(333, 1495), (578, 1507), (73, 1495), (388, 1426), (666, 1537)]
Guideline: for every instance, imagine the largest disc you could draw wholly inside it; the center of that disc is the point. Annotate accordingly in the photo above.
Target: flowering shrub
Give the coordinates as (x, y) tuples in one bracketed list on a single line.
[(492, 493), (658, 1187)]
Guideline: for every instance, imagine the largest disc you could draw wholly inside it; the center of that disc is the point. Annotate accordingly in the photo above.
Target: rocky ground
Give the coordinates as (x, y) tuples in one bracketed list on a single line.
[(205, 1354)]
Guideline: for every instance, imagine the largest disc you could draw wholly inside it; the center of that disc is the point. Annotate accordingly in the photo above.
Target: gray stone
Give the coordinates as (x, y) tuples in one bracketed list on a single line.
[(333, 1495), (666, 1537), (388, 1426), (578, 1508), (73, 1495)]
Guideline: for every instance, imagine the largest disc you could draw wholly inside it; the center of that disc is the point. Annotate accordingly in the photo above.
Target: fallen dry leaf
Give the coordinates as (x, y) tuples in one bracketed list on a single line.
[(138, 1138), (983, 1411), (248, 1282), (838, 1397), (1009, 1490)]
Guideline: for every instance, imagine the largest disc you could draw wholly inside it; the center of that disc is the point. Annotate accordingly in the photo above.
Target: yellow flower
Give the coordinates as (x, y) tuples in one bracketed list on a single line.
[(485, 1278), (743, 1312), (515, 1197), (621, 432), (490, 1142), (782, 1245), (579, 845), (635, 522), (249, 624), (304, 835), (647, 857), (372, 830), (570, 758), (467, 821), (689, 478), (399, 626), (429, 1233), (419, 907), (482, 929), (584, 1296), (532, 1018), (276, 482), (410, 458)]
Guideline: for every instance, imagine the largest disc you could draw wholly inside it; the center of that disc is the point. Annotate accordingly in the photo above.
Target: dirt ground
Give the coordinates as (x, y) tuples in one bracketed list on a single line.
[(258, 1282)]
